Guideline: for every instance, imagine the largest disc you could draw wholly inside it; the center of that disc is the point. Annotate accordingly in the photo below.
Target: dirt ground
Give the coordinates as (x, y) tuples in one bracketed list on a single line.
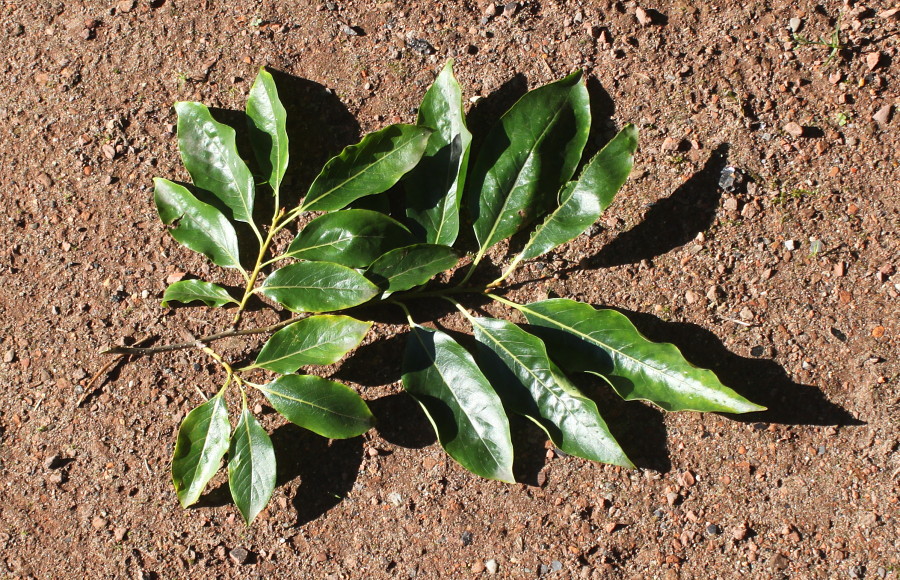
[(785, 284)]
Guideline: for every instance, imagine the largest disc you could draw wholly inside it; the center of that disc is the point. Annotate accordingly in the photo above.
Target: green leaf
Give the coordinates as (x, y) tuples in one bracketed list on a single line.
[(187, 291), (268, 128), (351, 237), (198, 226), (434, 187), (210, 155), (251, 466), (317, 287), (202, 442), (464, 410), (605, 342), (582, 201), (317, 340), (532, 151), (371, 166), (528, 381), (325, 407), (408, 267)]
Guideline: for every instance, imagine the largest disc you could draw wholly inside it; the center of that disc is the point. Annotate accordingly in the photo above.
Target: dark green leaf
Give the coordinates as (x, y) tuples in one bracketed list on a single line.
[(527, 157), (317, 340), (464, 410), (528, 381), (408, 267), (317, 287), (330, 409), (371, 166), (434, 187), (582, 201), (201, 444), (351, 237), (210, 155), (251, 466), (605, 342), (187, 291), (198, 226), (268, 128)]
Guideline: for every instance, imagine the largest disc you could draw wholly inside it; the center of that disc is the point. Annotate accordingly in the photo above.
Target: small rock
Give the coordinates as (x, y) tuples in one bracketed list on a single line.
[(790, 245), (873, 59), (510, 9), (372, 452), (670, 144), (120, 533), (793, 129), (395, 499), (889, 14), (419, 45), (98, 523), (491, 566), (883, 115), (688, 479), (351, 30), (779, 562), (320, 557), (108, 151), (44, 180), (643, 17), (731, 204), (556, 566), (53, 462), (9, 356), (477, 567), (857, 571), (713, 530), (239, 555), (611, 527), (746, 313), (16, 30), (740, 532), (795, 24), (125, 6), (691, 297), (731, 179), (672, 498), (467, 538), (489, 11)]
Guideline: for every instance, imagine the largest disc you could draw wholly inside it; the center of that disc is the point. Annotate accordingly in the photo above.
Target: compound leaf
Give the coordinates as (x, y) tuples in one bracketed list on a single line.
[(434, 187), (530, 384), (317, 287), (317, 340), (350, 237), (268, 128), (210, 155), (464, 410), (605, 342), (202, 442), (582, 201), (371, 166), (325, 407), (408, 267), (533, 150), (198, 226), (251, 466), (187, 291)]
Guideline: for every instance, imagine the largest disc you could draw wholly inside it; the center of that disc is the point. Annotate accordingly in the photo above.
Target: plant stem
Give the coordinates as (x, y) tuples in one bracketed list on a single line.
[(202, 341), (254, 275)]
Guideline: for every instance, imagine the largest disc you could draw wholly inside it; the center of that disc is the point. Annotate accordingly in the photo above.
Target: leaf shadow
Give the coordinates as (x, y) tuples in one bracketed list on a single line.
[(762, 381), (327, 468), (401, 421), (670, 222)]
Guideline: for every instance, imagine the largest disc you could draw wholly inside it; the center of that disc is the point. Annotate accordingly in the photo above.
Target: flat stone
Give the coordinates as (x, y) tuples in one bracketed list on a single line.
[(239, 555), (794, 129), (883, 115)]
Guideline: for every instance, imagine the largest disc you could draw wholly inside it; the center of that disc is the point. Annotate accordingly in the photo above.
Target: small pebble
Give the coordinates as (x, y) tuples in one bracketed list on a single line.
[(873, 59), (713, 529), (796, 24), (239, 555), (491, 566), (510, 9), (16, 30), (883, 115), (125, 6), (793, 129), (350, 30), (9, 356), (466, 538), (52, 462), (790, 245), (420, 46), (643, 17), (120, 533), (395, 499), (556, 566), (98, 523), (477, 567)]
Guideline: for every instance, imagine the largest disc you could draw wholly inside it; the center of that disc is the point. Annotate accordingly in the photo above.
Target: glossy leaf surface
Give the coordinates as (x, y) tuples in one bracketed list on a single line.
[(350, 237), (187, 291), (525, 159), (317, 340), (371, 166), (251, 466), (434, 187), (201, 444), (582, 201), (605, 342), (408, 267), (268, 128), (198, 226), (210, 155), (464, 410), (517, 363), (325, 407), (317, 287)]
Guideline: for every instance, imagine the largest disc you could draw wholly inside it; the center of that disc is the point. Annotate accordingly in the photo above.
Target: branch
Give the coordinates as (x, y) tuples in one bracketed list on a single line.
[(200, 342)]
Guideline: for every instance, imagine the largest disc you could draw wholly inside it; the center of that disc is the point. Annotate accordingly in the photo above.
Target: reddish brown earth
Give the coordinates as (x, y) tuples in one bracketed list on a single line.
[(787, 287)]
